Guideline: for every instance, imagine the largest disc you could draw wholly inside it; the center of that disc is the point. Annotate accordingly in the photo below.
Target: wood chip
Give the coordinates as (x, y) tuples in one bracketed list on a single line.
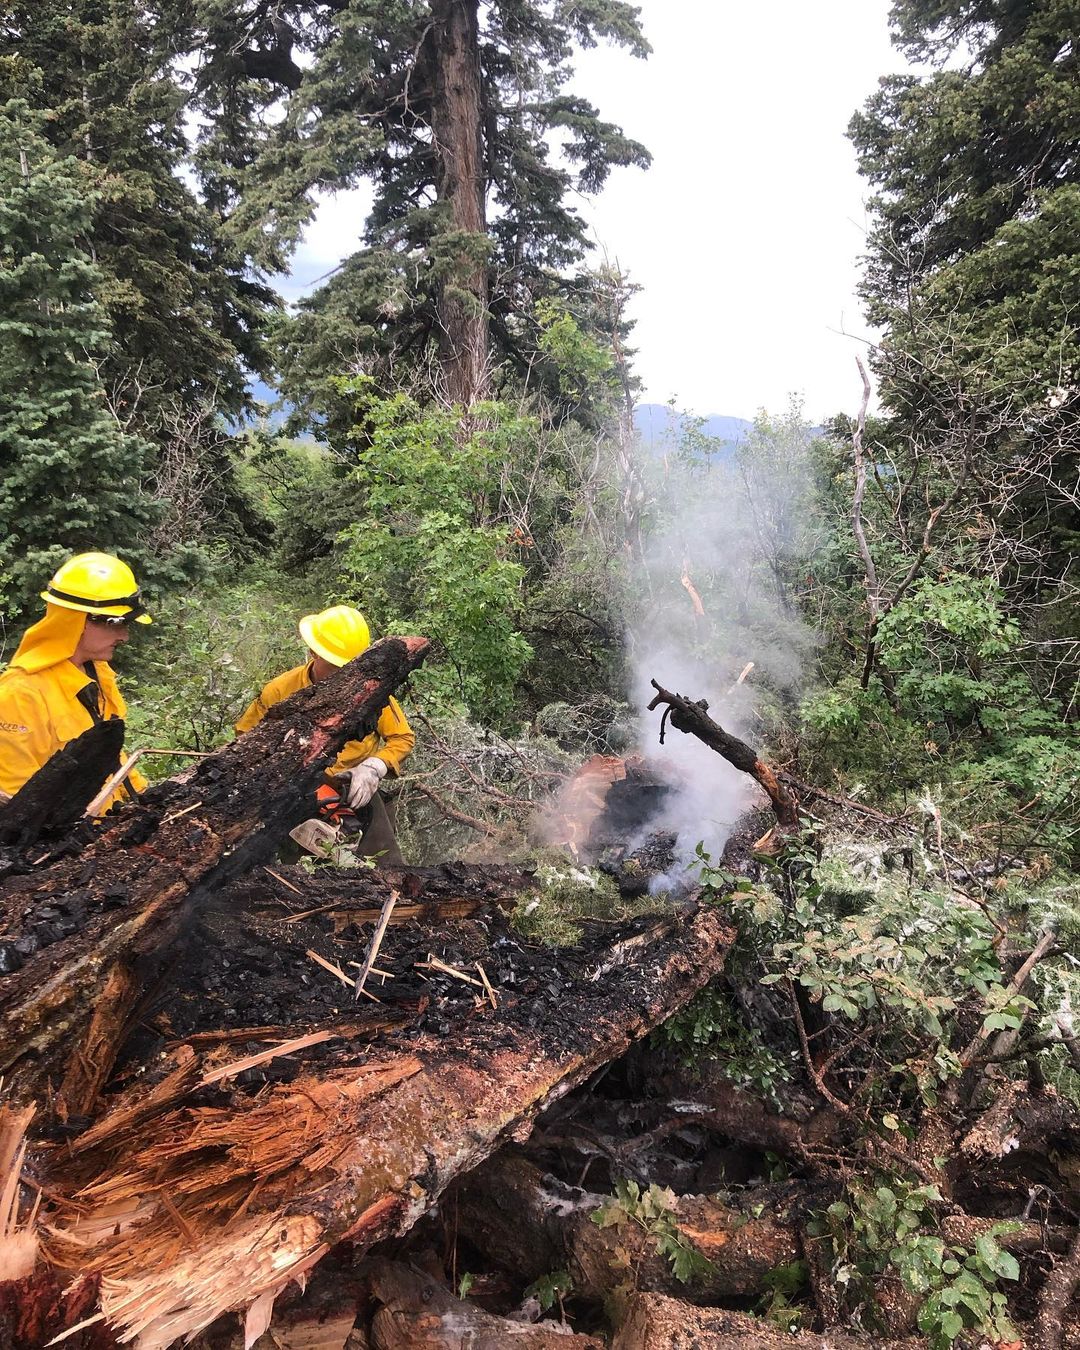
[(376, 941), (332, 968), (178, 1219), (278, 877), (433, 963), (284, 1048), (79, 1326), (345, 979), (487, 986), (186, 811)]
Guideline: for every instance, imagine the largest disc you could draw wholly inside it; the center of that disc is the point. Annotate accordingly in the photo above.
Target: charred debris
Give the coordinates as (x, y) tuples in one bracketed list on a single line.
[(215, 1132)]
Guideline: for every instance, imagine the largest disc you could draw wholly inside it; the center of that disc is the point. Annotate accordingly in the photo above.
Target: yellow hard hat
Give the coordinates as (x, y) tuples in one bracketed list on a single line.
[(337, 634), (97, 584)]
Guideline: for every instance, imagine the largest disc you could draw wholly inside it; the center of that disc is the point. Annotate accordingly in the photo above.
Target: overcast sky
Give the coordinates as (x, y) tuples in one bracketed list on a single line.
[(746, 232)]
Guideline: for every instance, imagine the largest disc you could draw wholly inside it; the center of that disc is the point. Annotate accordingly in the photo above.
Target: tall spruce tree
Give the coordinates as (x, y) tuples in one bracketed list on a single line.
[(185, 315), (70, 479), (461, 117)]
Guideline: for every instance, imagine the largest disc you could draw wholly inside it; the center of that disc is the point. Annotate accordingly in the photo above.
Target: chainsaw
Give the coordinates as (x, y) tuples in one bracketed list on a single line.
[(333, 828)]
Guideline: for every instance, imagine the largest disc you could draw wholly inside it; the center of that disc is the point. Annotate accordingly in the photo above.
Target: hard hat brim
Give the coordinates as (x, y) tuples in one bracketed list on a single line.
[(111, 612), (311, 641)]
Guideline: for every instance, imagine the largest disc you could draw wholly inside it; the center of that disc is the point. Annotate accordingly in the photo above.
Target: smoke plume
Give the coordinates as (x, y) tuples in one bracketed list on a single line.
[(717, 588)]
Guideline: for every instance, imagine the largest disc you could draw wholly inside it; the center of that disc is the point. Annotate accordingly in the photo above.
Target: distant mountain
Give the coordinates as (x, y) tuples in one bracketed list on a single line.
[(658, 426)]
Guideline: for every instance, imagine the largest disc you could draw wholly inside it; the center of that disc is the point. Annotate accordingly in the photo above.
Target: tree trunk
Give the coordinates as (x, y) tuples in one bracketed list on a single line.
[(532, 1223), (654, 1322), (462, 300)]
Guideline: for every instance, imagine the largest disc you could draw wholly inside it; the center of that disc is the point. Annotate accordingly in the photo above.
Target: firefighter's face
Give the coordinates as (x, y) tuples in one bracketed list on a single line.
[(100, 639), (320, 669)]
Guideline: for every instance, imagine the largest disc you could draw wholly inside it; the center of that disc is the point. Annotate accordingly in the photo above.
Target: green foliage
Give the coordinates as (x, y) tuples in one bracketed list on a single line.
[(891, 1229), (974, 275), (70, 478), (550, 1289), (581, 363), (428, 552), (184, 318), (783, 1286), (708, 1027), (652, 1210), (891, 963)]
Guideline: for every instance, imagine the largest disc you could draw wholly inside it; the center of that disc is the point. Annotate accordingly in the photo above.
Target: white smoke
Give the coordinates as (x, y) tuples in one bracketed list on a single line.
[(724, 559)]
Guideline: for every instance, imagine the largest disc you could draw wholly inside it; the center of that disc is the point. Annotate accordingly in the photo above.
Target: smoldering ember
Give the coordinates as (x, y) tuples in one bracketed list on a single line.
[(216, 1132)]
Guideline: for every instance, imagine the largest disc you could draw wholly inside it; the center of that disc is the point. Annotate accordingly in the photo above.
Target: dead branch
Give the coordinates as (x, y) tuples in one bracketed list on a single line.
[(692, 717), (451, 812)]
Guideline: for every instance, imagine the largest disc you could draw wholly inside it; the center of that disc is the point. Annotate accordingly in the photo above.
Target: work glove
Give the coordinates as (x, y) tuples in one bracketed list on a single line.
[(359, 785)]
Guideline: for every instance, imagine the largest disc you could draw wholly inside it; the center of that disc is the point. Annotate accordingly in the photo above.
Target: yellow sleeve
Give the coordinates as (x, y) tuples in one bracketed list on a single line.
[(138, 780), (27, 738), (397, 737), (255, 713)]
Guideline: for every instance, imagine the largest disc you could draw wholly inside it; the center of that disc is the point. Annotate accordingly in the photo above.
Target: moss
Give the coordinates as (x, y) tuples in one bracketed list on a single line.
[(565, 895)]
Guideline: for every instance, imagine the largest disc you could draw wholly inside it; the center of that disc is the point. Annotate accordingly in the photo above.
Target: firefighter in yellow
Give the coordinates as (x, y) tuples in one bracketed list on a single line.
[(59, 682), (332, 638)]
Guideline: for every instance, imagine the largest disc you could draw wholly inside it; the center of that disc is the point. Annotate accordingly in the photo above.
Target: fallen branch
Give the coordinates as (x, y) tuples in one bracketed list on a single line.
[(692, 718), (452, 813)]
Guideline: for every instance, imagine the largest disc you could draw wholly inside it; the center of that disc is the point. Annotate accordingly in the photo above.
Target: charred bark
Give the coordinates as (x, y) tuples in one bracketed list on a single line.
[(96, 930), (58, 794), (692, 717), (709, 1098)]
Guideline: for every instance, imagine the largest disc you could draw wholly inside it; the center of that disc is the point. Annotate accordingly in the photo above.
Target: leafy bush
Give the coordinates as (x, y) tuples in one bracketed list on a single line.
[(652, 1210), (430, 553), (883, 1229)]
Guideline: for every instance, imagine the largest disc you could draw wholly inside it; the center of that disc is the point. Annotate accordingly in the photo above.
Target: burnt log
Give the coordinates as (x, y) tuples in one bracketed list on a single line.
[(706, 1097), (234, 1181), (57, 795), (531, 1223), (417, 1313), (428, 895), (94, 931)]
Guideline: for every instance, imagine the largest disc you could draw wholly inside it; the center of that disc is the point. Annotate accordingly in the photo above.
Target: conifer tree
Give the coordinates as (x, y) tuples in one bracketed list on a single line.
[(461, 117), (70, 479), (973, 273)]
